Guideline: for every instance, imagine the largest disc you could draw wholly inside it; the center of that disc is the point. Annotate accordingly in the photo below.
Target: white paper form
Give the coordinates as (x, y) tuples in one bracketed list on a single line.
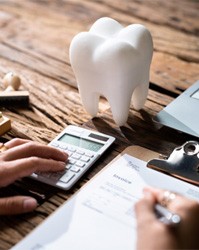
[(101, 215)]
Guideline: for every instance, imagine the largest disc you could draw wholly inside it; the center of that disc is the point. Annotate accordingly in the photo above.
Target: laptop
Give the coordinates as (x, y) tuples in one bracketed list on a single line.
[(182, 114)]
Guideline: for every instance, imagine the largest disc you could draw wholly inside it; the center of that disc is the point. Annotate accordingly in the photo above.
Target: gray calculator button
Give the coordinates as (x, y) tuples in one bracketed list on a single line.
[(67, 177)]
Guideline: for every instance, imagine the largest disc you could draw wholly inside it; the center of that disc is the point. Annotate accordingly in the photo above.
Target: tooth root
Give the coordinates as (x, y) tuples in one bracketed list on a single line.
[(120, 108), (90, 100), (140, 95)]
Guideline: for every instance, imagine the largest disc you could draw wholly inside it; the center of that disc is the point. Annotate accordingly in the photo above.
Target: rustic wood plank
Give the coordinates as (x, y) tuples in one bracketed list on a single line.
[(181, 16), (186, 48)]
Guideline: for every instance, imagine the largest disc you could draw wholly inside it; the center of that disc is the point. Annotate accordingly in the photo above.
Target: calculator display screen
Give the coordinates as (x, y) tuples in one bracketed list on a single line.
[(81, 142)]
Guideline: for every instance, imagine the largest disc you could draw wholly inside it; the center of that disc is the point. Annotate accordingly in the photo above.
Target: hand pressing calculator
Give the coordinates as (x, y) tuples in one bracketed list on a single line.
[(84, 147)]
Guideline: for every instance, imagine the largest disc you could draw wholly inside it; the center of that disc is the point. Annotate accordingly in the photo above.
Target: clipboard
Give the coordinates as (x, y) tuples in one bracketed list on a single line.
[(140, 153), (182, 163)]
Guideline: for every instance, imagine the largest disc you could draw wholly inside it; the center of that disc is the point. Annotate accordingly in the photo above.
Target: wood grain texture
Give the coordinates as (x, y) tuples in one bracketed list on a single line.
[(34, 42)]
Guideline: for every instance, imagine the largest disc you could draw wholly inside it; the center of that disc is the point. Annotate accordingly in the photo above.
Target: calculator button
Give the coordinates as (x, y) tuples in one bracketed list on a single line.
[(69, 153), (80, 152), (71, 149), (54, 144), (71, 161), (68, 166), (67, 177), (85, 158), (56, 176), (76, 156), (44, 174), (63, 147), (75, 169), (80, 164), (89, 154)]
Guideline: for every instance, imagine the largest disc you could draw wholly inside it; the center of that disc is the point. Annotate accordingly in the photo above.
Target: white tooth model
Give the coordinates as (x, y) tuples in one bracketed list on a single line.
[(112, 61)]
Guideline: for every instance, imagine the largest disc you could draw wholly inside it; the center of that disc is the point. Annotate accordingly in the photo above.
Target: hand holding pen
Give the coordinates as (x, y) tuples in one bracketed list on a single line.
[(157, 211), (163, 213)]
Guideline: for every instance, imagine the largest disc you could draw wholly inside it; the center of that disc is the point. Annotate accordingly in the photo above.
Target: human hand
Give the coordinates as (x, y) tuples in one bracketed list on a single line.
[(22, 158), (153, 234)]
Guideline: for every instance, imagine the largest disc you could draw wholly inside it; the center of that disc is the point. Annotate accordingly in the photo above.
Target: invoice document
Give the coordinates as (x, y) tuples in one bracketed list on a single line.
[(101, 215)]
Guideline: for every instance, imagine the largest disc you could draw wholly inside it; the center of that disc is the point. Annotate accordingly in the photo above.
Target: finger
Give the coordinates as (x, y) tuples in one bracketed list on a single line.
[(174, 202), (17, 205), (34, 149), (144, 208), (15, 142), (14, 170), (161, 195)]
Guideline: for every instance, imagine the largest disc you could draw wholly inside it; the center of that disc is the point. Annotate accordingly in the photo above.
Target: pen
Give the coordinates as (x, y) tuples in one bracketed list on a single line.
[(166, 216)]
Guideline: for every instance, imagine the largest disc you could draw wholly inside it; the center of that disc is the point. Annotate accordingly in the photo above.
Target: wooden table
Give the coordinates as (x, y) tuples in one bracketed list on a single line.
[(34, 42)]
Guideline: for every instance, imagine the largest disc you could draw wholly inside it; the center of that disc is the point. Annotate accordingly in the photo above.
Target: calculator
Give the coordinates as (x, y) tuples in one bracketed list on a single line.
[(84, 147)]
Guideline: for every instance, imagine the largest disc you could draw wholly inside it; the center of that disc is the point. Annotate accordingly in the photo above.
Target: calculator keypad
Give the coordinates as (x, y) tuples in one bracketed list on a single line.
[(77, 161)]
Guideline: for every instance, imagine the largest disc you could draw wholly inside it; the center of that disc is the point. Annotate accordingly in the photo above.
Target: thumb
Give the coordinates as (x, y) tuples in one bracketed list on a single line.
[(17, 205)]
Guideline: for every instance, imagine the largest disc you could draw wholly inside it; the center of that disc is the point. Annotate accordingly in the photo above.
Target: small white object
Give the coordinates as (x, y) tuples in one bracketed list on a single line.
[(11, 82), (112, 61)]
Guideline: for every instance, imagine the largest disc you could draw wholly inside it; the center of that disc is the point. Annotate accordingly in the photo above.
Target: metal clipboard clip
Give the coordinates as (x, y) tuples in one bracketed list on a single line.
[(182, 163)]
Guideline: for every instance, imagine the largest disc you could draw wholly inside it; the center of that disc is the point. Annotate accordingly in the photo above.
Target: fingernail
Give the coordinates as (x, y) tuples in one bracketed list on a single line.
[(29, 204)]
